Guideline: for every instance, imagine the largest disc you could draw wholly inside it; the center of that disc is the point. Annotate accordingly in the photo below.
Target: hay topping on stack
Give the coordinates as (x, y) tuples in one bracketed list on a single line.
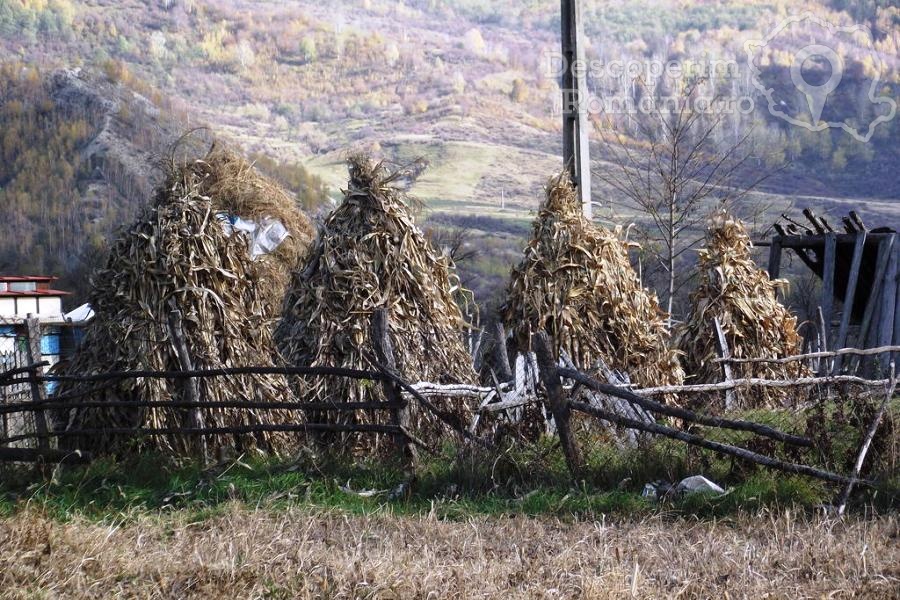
[(237, 191)]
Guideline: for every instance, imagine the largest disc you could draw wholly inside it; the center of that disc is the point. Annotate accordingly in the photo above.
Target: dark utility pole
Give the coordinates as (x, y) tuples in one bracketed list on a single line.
[(576, 152)]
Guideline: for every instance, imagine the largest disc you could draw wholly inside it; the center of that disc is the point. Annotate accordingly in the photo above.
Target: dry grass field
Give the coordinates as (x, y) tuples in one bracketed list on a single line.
[(303, 553)]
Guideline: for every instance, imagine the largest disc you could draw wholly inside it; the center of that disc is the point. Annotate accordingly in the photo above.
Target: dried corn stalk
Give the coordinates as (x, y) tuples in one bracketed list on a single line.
[(755, 323), (369, 255), (177, 253), (577, 284)]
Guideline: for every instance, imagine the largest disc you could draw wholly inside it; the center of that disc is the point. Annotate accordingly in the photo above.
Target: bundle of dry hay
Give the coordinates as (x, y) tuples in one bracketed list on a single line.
[(743, 298), (370, 255), (235, 187), (179, 255), (577, 284)]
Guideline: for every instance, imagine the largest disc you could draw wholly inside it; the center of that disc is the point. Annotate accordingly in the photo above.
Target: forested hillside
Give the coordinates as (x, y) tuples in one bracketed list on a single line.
[(74, 164), (464, 84), (301, 79), (80, 154), (40, 170)]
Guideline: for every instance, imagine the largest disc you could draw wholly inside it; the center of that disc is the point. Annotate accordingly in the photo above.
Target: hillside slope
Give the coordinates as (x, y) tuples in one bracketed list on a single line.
[(78, 160), (463, 84), (81, 153), (302, 80)]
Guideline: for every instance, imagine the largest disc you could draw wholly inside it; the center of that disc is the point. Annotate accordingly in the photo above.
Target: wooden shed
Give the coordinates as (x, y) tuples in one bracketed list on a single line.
[(859, 269)]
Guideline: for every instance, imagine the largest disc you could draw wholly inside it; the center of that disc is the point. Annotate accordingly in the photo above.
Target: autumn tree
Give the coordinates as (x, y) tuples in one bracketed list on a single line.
[(678, 166)]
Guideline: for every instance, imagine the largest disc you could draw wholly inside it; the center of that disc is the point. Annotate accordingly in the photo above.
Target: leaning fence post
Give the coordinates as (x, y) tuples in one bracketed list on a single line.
[(191, 385), (842, 499), (33, 325), (5, 424), (501, 356), (559, 405), (384, 352), (849, 298), (725, 355)]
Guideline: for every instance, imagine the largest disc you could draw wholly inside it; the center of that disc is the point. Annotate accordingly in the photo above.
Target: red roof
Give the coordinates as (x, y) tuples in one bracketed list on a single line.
[(20, 278), (42, 282), (34, 293)]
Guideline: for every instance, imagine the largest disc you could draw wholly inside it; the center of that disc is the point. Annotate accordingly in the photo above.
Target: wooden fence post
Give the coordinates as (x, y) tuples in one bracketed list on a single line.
[(559, 405), (868, 329), (842, 499), (3, 400), (889, 308), (725, 354), (501, 356), (35, 356), (400, 413), (191, 385)]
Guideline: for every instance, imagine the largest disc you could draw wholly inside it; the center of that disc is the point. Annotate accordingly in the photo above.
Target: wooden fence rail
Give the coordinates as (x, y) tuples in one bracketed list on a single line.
[(811, 355), (681, 413), (561, 402), (203, 431), (561, 406), (397, 391), (220, 372)]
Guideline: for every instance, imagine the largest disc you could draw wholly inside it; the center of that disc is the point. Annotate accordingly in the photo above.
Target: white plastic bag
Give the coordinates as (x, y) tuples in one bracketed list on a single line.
[(264, 237)]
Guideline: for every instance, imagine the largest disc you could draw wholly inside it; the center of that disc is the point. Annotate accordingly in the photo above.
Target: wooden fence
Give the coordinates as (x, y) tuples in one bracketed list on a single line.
[(559, 378), (397, 393)]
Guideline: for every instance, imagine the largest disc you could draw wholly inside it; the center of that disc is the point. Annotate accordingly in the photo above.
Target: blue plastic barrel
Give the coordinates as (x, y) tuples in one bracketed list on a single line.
[(50, 341)]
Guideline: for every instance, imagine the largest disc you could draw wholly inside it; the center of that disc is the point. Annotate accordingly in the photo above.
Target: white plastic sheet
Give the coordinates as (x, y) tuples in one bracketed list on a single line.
[(264, 237)]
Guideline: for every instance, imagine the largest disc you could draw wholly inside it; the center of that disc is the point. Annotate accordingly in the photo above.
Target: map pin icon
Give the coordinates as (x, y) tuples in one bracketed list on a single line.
[(816, 95)]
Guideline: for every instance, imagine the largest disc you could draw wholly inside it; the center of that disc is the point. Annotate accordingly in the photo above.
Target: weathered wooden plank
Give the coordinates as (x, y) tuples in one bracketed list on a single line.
[(576, 127), (849, 297), (873, 306), (828, 291), (819, 241), (502, 354), (885, 252), (725, 355), (384, 351), (896, 355), (889, 309), (193, 416), (775, 259)]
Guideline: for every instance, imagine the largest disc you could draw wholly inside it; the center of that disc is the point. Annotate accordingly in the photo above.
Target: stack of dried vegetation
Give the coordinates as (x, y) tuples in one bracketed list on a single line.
[(179, 255), (577, 284), (371, 255), (743, 298)]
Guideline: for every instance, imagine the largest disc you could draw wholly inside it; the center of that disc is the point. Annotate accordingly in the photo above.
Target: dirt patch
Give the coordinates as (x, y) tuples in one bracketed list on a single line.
[(297, 553)]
